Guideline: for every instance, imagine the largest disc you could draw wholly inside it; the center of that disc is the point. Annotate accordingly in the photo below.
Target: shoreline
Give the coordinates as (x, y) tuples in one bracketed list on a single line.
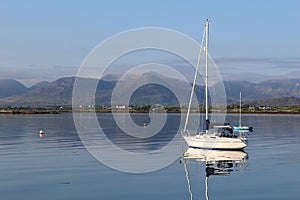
[(35, 111)]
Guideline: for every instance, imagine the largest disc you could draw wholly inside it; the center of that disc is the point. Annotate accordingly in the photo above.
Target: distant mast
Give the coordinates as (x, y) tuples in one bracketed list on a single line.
[(206, 76), (240, 121)]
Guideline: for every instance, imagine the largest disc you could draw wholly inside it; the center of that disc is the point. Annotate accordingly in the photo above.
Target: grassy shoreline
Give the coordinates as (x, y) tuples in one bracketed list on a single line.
[(142, 109)]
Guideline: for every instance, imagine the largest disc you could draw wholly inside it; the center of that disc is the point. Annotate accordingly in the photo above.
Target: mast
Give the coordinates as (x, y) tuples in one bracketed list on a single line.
[(206, 75), (240, 121)]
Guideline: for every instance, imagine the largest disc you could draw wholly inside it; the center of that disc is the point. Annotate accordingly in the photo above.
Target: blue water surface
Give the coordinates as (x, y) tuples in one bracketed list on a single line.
[(57, 165)]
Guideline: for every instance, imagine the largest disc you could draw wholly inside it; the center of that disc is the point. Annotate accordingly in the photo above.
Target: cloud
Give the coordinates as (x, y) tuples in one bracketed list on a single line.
[(258, 69), (230, 67), (253, 69), (241, 60), (291, 63)]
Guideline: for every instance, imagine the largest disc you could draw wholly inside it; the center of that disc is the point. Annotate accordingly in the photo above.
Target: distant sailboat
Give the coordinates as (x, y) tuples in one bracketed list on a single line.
[(221, 138), (240, 127)]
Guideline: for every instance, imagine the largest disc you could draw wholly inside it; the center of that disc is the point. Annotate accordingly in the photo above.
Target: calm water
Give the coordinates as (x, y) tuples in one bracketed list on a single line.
[(57, 166)]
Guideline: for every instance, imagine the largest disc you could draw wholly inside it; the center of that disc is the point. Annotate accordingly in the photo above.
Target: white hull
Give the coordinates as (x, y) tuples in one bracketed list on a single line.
[(207, 141)]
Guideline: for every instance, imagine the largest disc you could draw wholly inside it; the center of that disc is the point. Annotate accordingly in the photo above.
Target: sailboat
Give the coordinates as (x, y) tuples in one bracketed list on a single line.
[(222, 138), (240, 127)]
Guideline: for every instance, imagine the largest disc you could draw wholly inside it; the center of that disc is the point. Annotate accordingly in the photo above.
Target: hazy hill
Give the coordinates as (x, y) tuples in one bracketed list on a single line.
[(156, 89), (9, 87), (279, 88), (59, 92), (281, 101), (262, 90), (39, 85)]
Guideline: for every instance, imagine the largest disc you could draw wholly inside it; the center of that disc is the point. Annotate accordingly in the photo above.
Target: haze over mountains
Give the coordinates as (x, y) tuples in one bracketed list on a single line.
[(59, 92)]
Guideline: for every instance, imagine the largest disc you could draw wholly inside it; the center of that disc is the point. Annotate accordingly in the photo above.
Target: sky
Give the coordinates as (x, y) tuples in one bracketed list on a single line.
[(46, 40)]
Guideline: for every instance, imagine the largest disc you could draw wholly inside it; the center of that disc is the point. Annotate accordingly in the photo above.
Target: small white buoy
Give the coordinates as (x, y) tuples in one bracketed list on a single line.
[(145, 124), (41, 133)]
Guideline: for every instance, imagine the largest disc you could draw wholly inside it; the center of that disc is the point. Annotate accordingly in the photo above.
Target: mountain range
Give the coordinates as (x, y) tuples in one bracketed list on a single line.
[(59, 92)]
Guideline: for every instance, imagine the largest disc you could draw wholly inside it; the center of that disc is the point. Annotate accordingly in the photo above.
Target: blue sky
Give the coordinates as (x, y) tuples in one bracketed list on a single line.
[(45, 40)]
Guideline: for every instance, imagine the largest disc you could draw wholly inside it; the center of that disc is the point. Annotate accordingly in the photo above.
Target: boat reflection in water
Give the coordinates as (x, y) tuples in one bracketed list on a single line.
[(216, 162)]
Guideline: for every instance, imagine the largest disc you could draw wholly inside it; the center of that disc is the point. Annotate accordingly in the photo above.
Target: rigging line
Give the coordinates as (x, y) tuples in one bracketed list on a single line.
[(194, 82)]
